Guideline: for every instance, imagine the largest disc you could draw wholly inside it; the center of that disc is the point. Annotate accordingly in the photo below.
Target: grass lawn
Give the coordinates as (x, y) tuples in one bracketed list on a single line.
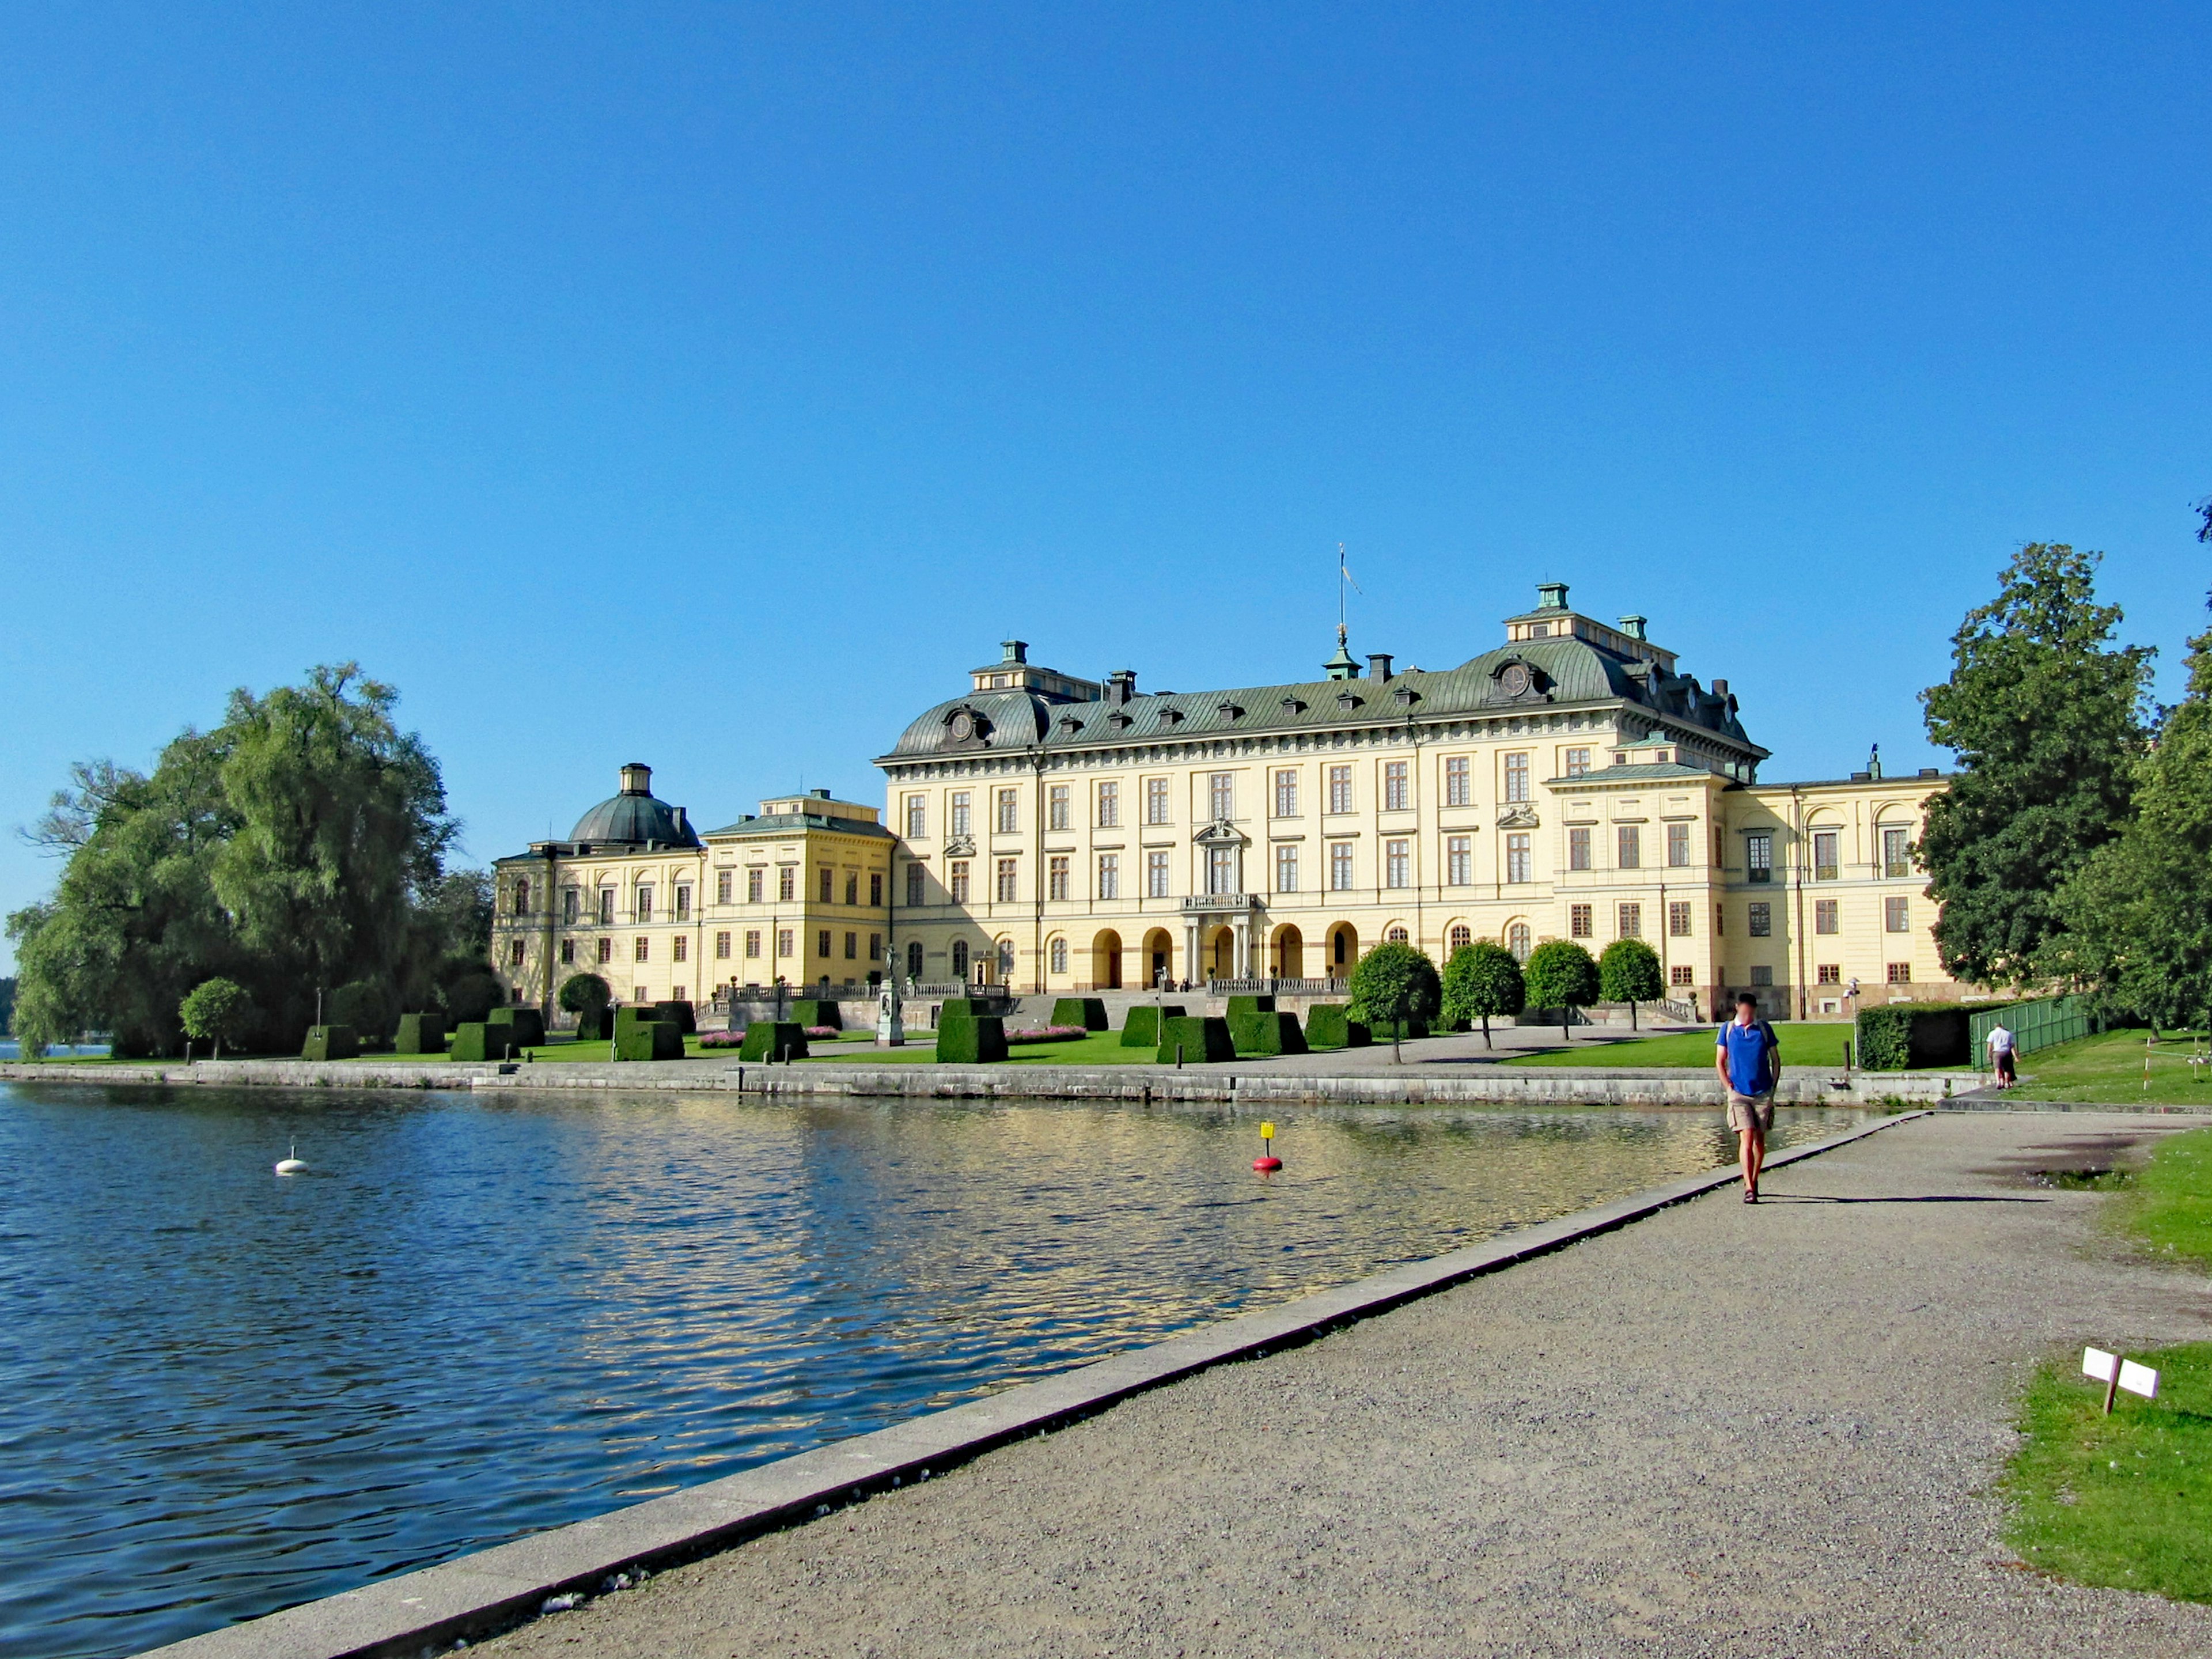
[(2107, 1070), (1804, 1042), (1099, 1048)]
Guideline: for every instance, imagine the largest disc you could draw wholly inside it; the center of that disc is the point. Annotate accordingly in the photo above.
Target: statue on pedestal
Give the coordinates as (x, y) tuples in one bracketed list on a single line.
[(890, 1027)]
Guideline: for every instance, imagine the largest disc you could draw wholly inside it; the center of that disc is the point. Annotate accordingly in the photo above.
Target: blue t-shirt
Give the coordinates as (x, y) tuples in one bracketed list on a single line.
[(1746, 1048)]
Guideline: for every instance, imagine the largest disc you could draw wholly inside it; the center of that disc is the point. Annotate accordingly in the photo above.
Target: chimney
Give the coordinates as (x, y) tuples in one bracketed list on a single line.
[(1120, 687), (637, 779), (1378, 665), (1017, 651), (1633, 626), (683, 821), (1720, 689), (1551, 596), (819, 794)]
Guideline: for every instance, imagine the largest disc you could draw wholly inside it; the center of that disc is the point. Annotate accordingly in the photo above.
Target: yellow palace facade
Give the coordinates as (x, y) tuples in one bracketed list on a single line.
[(1049, 832)]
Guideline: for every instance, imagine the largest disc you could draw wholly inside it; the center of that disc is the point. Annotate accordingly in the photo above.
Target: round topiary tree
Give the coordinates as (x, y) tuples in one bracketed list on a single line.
[(1561, 974), (216, 1010), (1396, 983), (586, 996), (1480, 981), (473, 996), (1629, 972)]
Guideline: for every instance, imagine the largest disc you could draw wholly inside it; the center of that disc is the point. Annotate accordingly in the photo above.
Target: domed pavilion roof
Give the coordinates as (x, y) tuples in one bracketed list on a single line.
[(636, 816)]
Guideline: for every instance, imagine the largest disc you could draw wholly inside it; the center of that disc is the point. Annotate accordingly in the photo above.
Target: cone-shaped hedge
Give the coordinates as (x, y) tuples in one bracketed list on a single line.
[(1202, 1038), (651, 1039), (1263, 1031), (1330, 1025), (331, 1043), (529, 1025), (975, 1041), (777, 1039), (420, 1034), (1142, 1029), (1089, 1013)]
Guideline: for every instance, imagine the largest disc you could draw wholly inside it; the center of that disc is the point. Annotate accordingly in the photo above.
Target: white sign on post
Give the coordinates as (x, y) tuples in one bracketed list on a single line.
[(2096, 1363), (2139, 1379), (2116, 1373)]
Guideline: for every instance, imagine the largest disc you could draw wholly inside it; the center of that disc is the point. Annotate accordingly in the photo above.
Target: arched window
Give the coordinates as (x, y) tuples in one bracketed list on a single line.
[(1518, 941), (914, 959), (1462, 935), (1006, 961), (1058, 955), (960, 959), (1398, 936), (522, 898)]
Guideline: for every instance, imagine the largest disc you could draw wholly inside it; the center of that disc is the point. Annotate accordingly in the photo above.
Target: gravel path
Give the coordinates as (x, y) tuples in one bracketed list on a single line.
[(1726, 1430)]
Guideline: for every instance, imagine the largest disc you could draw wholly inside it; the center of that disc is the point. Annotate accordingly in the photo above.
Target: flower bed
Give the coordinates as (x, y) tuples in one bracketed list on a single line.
[(736, 1039), (1048, 1034)]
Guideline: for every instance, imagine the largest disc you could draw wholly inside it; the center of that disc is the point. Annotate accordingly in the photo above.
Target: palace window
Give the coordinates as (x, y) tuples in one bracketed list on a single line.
[(682, 947), (514, 953), (1009, 812), (640, 949), (1397, 864), (1720, 922), (1516, 859), (1057, 954), (721, 947), (876, 889), (960, 824), (1056, 878), (682, 903), (1896, 915), (567, 950), (1110, 805), (1156, 875), (915, 888), (722, 886), (1221, 794), (1057, 809), (960, 959), (787, 882), (1761, 977), (1580, 924), (1156, 801), (1758, 857), (1578, 849), (826, 883), (1678, 918), (607, 949), (914, 959), (1828, 973), (571, 904), (1900, 973), (1221, 869), (852, 947), (1678, 846), (1339, 866), (1681, 975), (1007, 890), (1519, 940), (1397, 796), (1458, 787), (1517, 776), (917, 817), (1630, 838), (521, 898), (1762, 919), (1462, 935), (1459, 861), (1339, 789), (645, 904), (1398, 936), (752, 943), (1827, 917), (959, 881), (1286, 869), (875, 947), (1578, 763), (1287, 794), (1631, 921), (1897, 852), (1109, 875), (754, 880), (1825, 867), (1006, 961), (822, 944)]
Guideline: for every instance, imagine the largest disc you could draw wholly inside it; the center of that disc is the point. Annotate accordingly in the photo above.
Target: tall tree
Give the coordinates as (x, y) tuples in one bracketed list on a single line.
[(1629, 972), (1561, 975), (1482, 979), (1394, 984), (2048, 719)]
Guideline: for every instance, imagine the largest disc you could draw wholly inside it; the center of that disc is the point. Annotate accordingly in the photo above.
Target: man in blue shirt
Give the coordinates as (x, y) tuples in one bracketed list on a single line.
[(1748, 1058)]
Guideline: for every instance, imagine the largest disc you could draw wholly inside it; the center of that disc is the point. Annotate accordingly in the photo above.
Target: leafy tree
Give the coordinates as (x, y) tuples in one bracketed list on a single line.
[(473, 996), (1560, 974), (7, 1004), (295, 846), (368, 1005), (1629, 972), (2048, 721), (1482, 979), (215, 1011), (1394, 983), (2138, 914)]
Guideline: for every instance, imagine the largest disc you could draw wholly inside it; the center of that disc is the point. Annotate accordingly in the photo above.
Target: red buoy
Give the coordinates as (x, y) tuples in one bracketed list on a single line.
[(1265, 1164)]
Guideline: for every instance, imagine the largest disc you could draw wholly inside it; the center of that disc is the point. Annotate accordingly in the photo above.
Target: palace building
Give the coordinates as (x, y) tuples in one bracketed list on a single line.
[(1049, 832)]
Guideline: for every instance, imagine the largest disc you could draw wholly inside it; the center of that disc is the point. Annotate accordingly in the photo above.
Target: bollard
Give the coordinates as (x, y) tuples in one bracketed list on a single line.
[(1179, 1057)]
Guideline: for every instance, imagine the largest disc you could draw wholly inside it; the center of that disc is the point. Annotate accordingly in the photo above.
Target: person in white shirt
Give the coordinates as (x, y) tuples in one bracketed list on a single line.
[(2001, 1056)]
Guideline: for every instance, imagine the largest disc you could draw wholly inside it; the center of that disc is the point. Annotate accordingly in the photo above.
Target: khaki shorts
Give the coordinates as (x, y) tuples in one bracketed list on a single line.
[(1751, 1112)]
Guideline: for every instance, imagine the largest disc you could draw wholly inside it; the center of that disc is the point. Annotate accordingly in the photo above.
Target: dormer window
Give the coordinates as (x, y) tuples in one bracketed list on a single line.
[(1540, 630), (998, 682), (1661, 756)]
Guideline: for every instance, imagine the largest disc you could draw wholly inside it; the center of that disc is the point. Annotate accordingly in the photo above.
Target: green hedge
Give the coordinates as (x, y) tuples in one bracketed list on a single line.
[(1089, 1013), (651, 1039), (1265, 1032), (961, 1008), (529, 1025), (331, 1043), (1330, 1025), (976, 1039), (681, 1016), (1248, 1006), (1897, 1036), (1202, 1038), (779, 1039), (817, 1011), (474, 1040), (420, 1034), (1141, 1028), (1380, 1031)]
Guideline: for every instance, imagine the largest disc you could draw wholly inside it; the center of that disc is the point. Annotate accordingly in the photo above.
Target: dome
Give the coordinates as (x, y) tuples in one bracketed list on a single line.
[(636, 816)]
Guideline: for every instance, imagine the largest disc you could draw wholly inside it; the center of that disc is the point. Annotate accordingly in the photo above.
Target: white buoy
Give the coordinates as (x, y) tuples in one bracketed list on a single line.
[(291, 1165)]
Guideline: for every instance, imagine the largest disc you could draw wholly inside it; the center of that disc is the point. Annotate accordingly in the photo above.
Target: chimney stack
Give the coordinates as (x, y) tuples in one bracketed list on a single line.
[(1378, 665)]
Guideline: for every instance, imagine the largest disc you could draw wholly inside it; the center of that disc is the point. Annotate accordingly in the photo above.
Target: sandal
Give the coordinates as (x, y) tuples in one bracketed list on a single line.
[(1750, 1195)]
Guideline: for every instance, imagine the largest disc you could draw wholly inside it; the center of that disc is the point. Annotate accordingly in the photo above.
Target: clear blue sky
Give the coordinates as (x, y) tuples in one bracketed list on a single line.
[(712, 385)]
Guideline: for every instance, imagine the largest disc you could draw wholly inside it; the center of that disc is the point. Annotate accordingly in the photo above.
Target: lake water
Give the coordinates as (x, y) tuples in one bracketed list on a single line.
[(223, 1392)]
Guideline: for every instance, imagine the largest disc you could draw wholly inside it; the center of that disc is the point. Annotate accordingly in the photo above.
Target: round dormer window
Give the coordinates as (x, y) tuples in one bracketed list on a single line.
[(963, 727), (1515, 679)]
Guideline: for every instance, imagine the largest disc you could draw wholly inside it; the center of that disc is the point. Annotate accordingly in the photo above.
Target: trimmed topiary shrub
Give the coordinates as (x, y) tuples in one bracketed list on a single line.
[(529, 1025), (1141, 1027), (1202, 1038), (331, 1043), (1330, 1025), (473, 996), (975, 1041), (960, 1008), (1384, 1030), (773, 1039), (1896, 1036), (1263, 1031), (1089, 1013), (420, 1034), (817, 1011), (1245, 1005), (651, 1039), (586, 996), (473, 1040), (365, 1005), (685, 1019)]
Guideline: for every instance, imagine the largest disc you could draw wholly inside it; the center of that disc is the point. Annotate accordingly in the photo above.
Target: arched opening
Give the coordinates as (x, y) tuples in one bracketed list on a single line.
[(913, 959), (1519, 940), (1343, 948), (960, 960), (1159, 956), (1288, 955), (1397, 934), (1459, 936), (1106, 962), (1221, 954)]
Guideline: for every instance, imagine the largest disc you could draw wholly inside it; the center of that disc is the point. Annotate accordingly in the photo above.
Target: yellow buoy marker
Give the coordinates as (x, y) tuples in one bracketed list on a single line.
[(1266, 1160)]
